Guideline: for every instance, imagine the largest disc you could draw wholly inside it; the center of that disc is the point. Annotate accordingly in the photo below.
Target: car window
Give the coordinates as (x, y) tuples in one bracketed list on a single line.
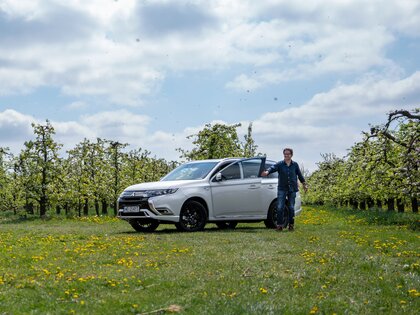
[(251, 168), (231, 172)]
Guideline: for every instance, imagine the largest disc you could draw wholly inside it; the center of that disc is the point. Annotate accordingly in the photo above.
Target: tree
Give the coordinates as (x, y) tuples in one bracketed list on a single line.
[(6, 181), (115, 160), (39, 163), (219, 141), (383, 167), (249, 147), (404, 159)]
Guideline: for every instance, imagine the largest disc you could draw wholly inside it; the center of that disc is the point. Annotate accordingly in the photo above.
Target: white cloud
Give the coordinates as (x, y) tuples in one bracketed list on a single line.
[(76, 105), (333, 121), (328, 123), (109, 53), (113, 55), (15, 129)]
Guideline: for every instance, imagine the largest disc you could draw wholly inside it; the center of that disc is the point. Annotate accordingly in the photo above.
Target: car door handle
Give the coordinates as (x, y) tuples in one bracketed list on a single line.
[(253, 186)]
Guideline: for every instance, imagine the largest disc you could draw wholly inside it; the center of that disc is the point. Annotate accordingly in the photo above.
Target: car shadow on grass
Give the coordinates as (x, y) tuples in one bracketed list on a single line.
[(170, 230)]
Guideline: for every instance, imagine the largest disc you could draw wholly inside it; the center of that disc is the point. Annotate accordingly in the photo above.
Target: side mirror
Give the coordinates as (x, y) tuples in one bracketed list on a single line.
[(218, 177)]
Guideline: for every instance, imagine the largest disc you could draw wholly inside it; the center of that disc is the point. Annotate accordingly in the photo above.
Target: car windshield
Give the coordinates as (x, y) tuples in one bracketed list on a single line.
[(197, 170)]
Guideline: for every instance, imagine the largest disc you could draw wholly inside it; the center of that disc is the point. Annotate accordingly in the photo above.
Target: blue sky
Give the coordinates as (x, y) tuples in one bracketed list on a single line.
[(309, 75)]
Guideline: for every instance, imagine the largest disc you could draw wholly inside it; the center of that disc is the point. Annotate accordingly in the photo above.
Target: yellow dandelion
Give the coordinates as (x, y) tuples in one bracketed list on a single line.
[(263, 290), (414, 292)]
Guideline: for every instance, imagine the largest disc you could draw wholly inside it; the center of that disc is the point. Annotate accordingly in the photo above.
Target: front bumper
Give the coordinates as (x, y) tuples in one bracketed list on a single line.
[(155, 208)]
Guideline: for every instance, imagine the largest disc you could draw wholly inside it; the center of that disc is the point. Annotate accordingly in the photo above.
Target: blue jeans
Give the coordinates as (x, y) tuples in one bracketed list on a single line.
[(281, 202)]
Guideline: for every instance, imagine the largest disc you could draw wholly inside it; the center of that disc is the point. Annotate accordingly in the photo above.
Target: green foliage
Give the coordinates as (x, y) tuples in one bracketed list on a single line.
[(40, 161), (249, 146), (6, 180), (219, 141)]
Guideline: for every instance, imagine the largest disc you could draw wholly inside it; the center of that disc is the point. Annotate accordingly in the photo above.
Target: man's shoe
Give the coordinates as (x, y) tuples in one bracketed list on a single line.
[(279, 228), (291, 227)]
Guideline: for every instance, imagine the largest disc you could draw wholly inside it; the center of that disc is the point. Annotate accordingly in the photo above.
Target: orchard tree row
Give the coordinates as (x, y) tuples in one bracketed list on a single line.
[(94, 173), (91, 176), (383, 170)]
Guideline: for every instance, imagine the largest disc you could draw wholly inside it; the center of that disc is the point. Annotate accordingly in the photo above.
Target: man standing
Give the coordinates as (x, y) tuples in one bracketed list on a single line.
[(288, 173)]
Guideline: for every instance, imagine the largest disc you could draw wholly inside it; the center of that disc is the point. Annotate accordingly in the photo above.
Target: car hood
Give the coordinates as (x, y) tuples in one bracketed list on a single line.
[(161, 185)]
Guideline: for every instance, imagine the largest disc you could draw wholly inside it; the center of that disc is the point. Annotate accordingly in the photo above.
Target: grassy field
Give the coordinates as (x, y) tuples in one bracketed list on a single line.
[(335, 262)]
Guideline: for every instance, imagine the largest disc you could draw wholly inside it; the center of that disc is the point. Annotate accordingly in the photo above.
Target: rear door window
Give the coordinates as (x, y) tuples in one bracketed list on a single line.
[(251, 168), (268, 164), (232, 172)]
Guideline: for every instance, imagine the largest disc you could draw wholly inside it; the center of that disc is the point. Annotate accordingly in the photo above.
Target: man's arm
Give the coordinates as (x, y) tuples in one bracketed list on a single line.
[(301, 178), (270, 170)]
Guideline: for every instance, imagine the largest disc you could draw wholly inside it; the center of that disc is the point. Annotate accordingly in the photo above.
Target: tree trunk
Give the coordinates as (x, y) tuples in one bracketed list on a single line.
[(379, 204), (115, 206), (354, 204), (362, 205), (86, 207), (104, 207), (57, 209), (400, 205), (43, 206), (97, 207), (44, 197), (66, 208), (370, 203), (29, 208), (391, 204), (79, 208), (414, 205)]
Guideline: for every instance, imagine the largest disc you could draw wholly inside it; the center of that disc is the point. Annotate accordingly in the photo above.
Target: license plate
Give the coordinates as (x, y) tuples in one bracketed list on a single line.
[(131, 209)]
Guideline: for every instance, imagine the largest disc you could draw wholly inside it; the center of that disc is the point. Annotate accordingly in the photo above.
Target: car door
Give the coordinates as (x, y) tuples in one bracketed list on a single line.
[(238, 193)]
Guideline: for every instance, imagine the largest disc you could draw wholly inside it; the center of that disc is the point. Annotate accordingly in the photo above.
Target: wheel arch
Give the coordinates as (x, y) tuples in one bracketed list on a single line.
[(200, 200)]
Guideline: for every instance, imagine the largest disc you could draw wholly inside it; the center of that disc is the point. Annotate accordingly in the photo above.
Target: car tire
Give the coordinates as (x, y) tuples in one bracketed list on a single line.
[(224, 225), (192, 217), (144, 225), (271, 221)]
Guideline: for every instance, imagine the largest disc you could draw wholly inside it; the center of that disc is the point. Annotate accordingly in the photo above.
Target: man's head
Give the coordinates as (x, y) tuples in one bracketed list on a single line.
[(288, 152)]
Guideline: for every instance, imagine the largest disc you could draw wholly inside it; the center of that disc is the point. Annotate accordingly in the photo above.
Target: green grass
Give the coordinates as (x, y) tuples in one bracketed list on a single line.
[(335, 262)]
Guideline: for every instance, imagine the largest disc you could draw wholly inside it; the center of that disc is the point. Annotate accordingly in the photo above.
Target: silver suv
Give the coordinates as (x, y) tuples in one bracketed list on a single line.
[(223, 191)]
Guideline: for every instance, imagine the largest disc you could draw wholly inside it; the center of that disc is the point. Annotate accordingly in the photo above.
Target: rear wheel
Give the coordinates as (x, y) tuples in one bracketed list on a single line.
[(271, 221), (192, 218), (144, 225), (226, 225)]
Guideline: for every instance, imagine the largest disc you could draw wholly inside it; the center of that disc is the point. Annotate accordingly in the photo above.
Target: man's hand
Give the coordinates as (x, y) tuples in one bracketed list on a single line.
[(305, 187), (264, 173)]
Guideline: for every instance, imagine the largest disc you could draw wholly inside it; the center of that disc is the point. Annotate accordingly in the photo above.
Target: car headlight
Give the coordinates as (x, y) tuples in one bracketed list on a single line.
[(160, 192), (147, 193)]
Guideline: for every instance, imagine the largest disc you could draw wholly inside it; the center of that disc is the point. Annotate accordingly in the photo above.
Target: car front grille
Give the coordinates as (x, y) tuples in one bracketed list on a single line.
[(141, 202)]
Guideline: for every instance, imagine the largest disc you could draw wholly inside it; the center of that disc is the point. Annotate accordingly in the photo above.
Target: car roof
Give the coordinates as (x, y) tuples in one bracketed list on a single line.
[(214, 160), (230, 159)]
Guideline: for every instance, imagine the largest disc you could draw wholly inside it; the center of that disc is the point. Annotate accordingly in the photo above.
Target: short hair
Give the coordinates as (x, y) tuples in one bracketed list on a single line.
[(288, 149)]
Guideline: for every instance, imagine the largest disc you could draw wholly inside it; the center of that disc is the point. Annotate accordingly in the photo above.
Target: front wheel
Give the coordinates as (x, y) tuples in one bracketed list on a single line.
[(192, 218), (144, 225)]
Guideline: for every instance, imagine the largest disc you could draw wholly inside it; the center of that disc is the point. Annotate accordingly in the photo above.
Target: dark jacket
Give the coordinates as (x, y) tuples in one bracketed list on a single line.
[(288, 175)]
